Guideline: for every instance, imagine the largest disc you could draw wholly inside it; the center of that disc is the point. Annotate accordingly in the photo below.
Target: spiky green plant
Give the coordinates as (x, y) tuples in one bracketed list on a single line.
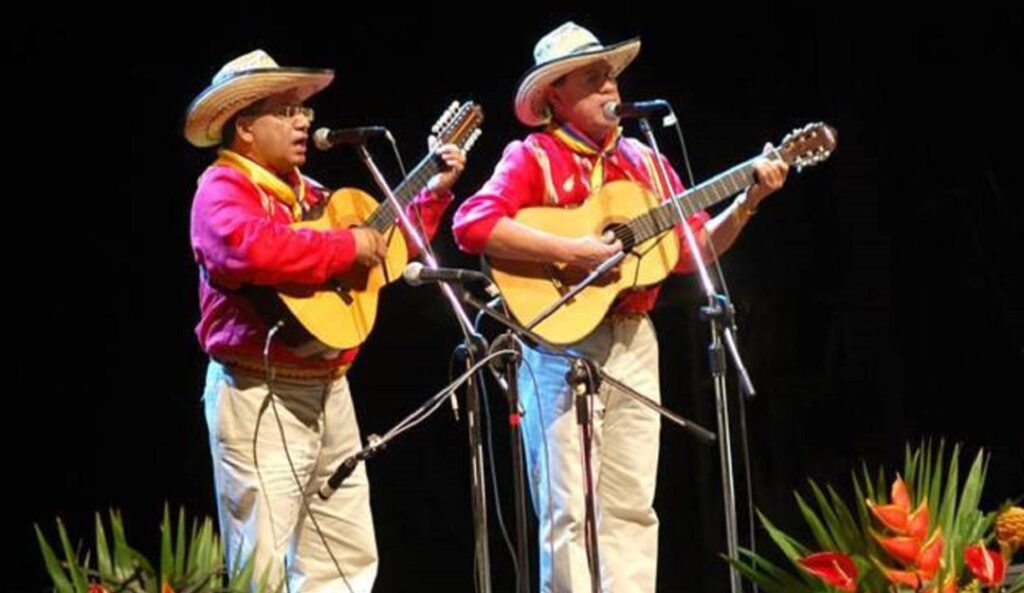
[(852, 531), (191, 561)]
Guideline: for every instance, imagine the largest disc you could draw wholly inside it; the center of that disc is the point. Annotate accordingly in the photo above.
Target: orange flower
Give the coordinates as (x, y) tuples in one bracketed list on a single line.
[(948, 587), (899, 496), (891, 516), (905, 549), (927, 562), (907, 578), (896, 516), (917, 523)]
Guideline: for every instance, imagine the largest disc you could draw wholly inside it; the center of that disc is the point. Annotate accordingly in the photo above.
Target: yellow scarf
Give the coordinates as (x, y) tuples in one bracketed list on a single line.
[(580, 144), (267, 181)]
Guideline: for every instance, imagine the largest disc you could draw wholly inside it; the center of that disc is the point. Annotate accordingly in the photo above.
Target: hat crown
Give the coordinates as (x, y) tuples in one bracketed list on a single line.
[(566, 40), (254, 60)]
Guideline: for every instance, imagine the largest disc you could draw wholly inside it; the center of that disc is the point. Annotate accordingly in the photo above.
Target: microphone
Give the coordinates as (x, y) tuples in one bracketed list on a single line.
[(635, 109), (416, 274), (348, 466), (344, 470), (325, 139)]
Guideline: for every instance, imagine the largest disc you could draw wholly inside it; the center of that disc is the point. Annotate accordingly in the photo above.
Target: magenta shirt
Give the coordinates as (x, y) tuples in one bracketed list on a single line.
[(236, 241)]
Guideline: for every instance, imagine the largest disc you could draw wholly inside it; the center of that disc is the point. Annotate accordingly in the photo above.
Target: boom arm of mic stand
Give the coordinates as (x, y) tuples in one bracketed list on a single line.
[(606, 265), (696, 429)]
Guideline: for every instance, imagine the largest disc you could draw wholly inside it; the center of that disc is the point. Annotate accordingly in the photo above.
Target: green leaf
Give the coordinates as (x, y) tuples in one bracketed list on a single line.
[(862, 511), (166, 553), (179, 553), (764, 581), (61, 584), (787, 580), (831, 519), (970, 496), (103, 562), (849, 525), (869, 488), (825, 541), (935, 490), (793, 549), (910, 465), (1017, 586), (78, 576), (123, 567)]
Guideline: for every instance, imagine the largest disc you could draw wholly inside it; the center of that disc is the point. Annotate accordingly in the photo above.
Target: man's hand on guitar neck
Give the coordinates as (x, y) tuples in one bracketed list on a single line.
[(370, 246), (771, 175), (455, 161)]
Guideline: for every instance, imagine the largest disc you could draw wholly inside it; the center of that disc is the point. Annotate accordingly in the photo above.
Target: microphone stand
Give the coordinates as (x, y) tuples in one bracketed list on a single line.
[(585, 381), (719, 315), (474, 344)]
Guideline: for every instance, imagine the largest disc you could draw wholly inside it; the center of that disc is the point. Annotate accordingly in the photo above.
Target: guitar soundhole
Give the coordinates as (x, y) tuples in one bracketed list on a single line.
[(622, 233)]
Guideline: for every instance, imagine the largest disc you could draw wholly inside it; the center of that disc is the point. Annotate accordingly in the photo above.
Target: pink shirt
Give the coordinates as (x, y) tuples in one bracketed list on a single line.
[(237, 241)]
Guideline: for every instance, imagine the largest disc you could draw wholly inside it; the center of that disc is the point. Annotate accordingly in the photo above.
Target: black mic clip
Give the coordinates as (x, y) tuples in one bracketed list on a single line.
[(374, 443)]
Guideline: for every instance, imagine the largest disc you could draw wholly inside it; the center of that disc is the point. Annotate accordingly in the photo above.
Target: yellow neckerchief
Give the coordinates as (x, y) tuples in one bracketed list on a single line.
[(580, 144), (266, 180)]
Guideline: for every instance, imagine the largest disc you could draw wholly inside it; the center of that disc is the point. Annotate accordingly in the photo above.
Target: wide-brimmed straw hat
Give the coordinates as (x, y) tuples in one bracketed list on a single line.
[(558, 53), (242, 82)]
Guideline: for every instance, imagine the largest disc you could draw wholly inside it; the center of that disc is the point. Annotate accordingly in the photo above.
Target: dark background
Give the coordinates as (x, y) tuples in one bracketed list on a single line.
[(880, 294)]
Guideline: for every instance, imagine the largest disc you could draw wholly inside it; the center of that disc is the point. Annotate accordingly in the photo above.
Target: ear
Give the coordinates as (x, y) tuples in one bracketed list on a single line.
[(243, 129), (552, 100)]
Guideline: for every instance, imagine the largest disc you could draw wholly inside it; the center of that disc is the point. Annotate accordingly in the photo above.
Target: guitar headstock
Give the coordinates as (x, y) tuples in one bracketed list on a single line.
[(808, 146), (459, 125)]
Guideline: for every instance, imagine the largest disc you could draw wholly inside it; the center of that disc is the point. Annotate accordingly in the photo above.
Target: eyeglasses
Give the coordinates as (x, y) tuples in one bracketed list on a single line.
[(289, 112)]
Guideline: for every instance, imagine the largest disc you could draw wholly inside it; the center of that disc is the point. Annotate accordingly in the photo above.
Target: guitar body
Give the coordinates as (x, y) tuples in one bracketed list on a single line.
[(531, 287), (340, 314)]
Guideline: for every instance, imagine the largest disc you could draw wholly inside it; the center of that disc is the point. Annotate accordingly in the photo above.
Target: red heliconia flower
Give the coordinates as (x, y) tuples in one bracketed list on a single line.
[(917, 523), (97, 588), (988, 566), (948, 587), (166, 588), (834, 568), (927, 563), (903, 548), (900, 497), (907, 578), (892, 516)]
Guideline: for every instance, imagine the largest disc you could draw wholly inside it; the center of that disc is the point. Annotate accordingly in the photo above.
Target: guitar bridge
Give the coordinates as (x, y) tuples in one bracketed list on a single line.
[(556, 281), (341, 291)]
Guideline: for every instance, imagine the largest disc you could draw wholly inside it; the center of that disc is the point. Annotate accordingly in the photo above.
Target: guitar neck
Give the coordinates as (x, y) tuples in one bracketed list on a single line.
[(660, 219), (384, 217)]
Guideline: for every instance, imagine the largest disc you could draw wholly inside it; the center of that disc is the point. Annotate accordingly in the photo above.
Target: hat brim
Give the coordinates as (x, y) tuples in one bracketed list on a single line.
[(208, 113), (530, 107)]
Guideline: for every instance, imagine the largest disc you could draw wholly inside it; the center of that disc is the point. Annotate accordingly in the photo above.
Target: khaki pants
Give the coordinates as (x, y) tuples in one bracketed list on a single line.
[(625, 461), (261, 512)]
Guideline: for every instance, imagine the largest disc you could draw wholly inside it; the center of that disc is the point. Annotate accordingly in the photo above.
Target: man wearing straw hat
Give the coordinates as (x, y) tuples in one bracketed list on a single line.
[(579, 149), (270, 454)]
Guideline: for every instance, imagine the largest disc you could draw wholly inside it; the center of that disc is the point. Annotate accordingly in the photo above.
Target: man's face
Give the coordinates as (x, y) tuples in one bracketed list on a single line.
[(275, 132), (580, 96)]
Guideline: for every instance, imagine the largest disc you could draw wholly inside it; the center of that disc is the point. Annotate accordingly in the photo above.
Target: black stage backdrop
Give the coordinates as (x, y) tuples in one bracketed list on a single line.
[(879, 295)]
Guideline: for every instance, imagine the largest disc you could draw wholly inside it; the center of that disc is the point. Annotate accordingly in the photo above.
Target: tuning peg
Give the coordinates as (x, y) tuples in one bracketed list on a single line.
[(445, 118), (472, 139)]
